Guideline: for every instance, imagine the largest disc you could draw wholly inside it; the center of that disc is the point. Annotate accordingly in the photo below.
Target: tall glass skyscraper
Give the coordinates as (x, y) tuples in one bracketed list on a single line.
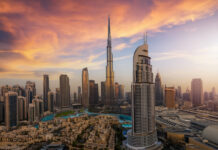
[(85, 87), (143, 134)]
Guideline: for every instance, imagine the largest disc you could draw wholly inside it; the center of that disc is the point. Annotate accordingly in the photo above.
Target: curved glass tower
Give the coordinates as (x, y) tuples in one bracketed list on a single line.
[(143, 134)]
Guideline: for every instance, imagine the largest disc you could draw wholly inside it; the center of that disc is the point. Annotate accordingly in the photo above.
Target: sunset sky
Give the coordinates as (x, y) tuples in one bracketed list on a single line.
[(62, 36)]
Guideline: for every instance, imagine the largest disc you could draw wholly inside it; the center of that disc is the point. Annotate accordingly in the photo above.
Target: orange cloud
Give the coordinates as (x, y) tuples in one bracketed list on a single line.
[(45, 31)]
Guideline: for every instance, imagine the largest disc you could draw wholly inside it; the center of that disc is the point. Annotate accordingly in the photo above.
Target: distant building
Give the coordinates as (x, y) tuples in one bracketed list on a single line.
[(38, 109), (187, 95), (116, 91), (91, 92), (19, 90), (85, 87), (79, 95), (179, 92), (197, 92), (21, 108), (96, 94), (64, 91), (129, 97), (170, 97), (206, 96), (159, 100), (45, 91), (11, 111), (121, 92), (30, 91), (5, 89), (75, 97), (31, 113), (58, 98), (2, 111), (51, 101), (103, 92)]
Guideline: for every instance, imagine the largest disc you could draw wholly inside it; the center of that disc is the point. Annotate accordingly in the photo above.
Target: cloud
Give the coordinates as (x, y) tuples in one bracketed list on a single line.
[(120, 46), (70, 34)]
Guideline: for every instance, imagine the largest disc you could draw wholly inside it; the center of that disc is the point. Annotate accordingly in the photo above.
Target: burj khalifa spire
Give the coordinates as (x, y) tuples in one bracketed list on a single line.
[(109, 70)]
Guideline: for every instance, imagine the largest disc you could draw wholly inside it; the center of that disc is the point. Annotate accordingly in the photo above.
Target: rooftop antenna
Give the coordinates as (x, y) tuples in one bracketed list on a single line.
[(145, 38)]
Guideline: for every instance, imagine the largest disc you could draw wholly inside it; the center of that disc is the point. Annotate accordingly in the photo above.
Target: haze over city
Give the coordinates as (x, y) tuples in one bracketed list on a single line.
[(55, 37)]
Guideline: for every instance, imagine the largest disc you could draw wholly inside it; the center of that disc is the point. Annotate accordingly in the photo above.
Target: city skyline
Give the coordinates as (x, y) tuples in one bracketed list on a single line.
[(183, 42)]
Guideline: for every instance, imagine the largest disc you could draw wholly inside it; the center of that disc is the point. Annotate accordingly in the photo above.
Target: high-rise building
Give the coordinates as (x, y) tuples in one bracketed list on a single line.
[(19, 90), (31, 113), (109, 70), (170, 97), (64, 91), (121, 91), (91, 92), (179, 92), (196, 92), (187, 95), (116, 91), (158, 91), (38, 109), (11, 111), (45, 91), (50, 101), (2, 111), (79, 95), (30, 91), (96, 94), (74, 98), (21, 108), (143, 134), (206, 96), (58, 98), (103, 95), (85, 87)]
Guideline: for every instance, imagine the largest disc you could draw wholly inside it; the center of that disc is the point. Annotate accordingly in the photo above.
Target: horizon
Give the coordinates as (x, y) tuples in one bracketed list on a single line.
[(39, 38)]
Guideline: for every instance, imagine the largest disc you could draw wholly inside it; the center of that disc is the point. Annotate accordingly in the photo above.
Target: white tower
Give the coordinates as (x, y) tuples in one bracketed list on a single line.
[(143, 134)]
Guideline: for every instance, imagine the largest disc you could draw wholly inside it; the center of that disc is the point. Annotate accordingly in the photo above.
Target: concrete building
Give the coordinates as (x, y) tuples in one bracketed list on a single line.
[(31, 113), (57, 98), (64, 91), (91, 92), (103, 95), (85, 87), (159, 97), (30, 91), (2, 111), (170, 97), (143, 134), (11, 111), (21, 108), (116, 91), (50, 101), (75, 98), (197, 92), (45, 91), (109, 84), (79, 95), (38, 109), (96, 94), (121, 91)]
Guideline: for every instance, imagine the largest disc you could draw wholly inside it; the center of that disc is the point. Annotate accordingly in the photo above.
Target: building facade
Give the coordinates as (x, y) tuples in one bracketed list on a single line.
[(159, 100), (197, 92), (103, 95), (109, 84), (143, 134), (170, 97), (11, 111), (64, 91), (85, 87), (50, 101), (45, 91)]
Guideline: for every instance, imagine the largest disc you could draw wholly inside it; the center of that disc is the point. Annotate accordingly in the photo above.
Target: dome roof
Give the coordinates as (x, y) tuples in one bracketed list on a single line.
[(210, 133), (142, 50)]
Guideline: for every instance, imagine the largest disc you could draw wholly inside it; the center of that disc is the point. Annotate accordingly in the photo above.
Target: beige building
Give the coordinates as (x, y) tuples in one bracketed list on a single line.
[(170, 97)]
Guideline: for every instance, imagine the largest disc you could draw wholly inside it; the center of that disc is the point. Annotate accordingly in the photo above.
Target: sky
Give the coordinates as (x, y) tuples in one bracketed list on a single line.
[(61, 37)]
